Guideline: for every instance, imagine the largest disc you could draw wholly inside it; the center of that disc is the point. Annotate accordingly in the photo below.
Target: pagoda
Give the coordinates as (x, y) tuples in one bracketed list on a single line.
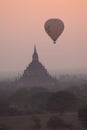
[(36, 74)]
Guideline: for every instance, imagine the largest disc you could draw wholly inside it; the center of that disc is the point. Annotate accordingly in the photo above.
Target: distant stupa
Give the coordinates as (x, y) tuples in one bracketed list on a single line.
[(36, 74)]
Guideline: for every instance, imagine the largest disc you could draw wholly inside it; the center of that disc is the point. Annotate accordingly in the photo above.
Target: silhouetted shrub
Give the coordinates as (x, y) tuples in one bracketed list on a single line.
[(55, 122), (36, 123)]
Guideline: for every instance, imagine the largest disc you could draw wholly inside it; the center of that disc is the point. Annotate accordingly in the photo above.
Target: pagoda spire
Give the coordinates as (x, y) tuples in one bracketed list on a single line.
[(35, 54), (35, 50)]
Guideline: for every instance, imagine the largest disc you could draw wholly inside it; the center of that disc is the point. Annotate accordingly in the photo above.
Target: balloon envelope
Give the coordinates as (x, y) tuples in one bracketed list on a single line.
[(54, 27)]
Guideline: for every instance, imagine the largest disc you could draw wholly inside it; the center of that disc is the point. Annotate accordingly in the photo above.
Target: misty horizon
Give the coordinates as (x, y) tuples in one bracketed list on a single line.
[(8, 75)]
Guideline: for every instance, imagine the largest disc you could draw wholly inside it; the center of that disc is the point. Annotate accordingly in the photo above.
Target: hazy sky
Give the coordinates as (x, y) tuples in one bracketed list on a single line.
[(22, 26)]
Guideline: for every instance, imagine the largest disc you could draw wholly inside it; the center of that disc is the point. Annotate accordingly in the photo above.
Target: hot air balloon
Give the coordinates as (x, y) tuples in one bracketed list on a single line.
[(54, 27)]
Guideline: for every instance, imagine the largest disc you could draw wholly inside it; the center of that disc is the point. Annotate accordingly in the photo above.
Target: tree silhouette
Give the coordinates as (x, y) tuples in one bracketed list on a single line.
[(61, 101), (82, 115)]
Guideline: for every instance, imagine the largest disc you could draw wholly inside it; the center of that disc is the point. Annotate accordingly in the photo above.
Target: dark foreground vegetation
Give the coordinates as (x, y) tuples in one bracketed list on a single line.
[(38, 108)]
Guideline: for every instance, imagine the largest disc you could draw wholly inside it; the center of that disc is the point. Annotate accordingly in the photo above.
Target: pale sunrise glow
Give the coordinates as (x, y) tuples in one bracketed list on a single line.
[(22, 26)]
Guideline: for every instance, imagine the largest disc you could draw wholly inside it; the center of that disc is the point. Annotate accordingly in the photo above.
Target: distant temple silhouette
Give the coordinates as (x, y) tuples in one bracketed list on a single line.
[(36, 74)]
